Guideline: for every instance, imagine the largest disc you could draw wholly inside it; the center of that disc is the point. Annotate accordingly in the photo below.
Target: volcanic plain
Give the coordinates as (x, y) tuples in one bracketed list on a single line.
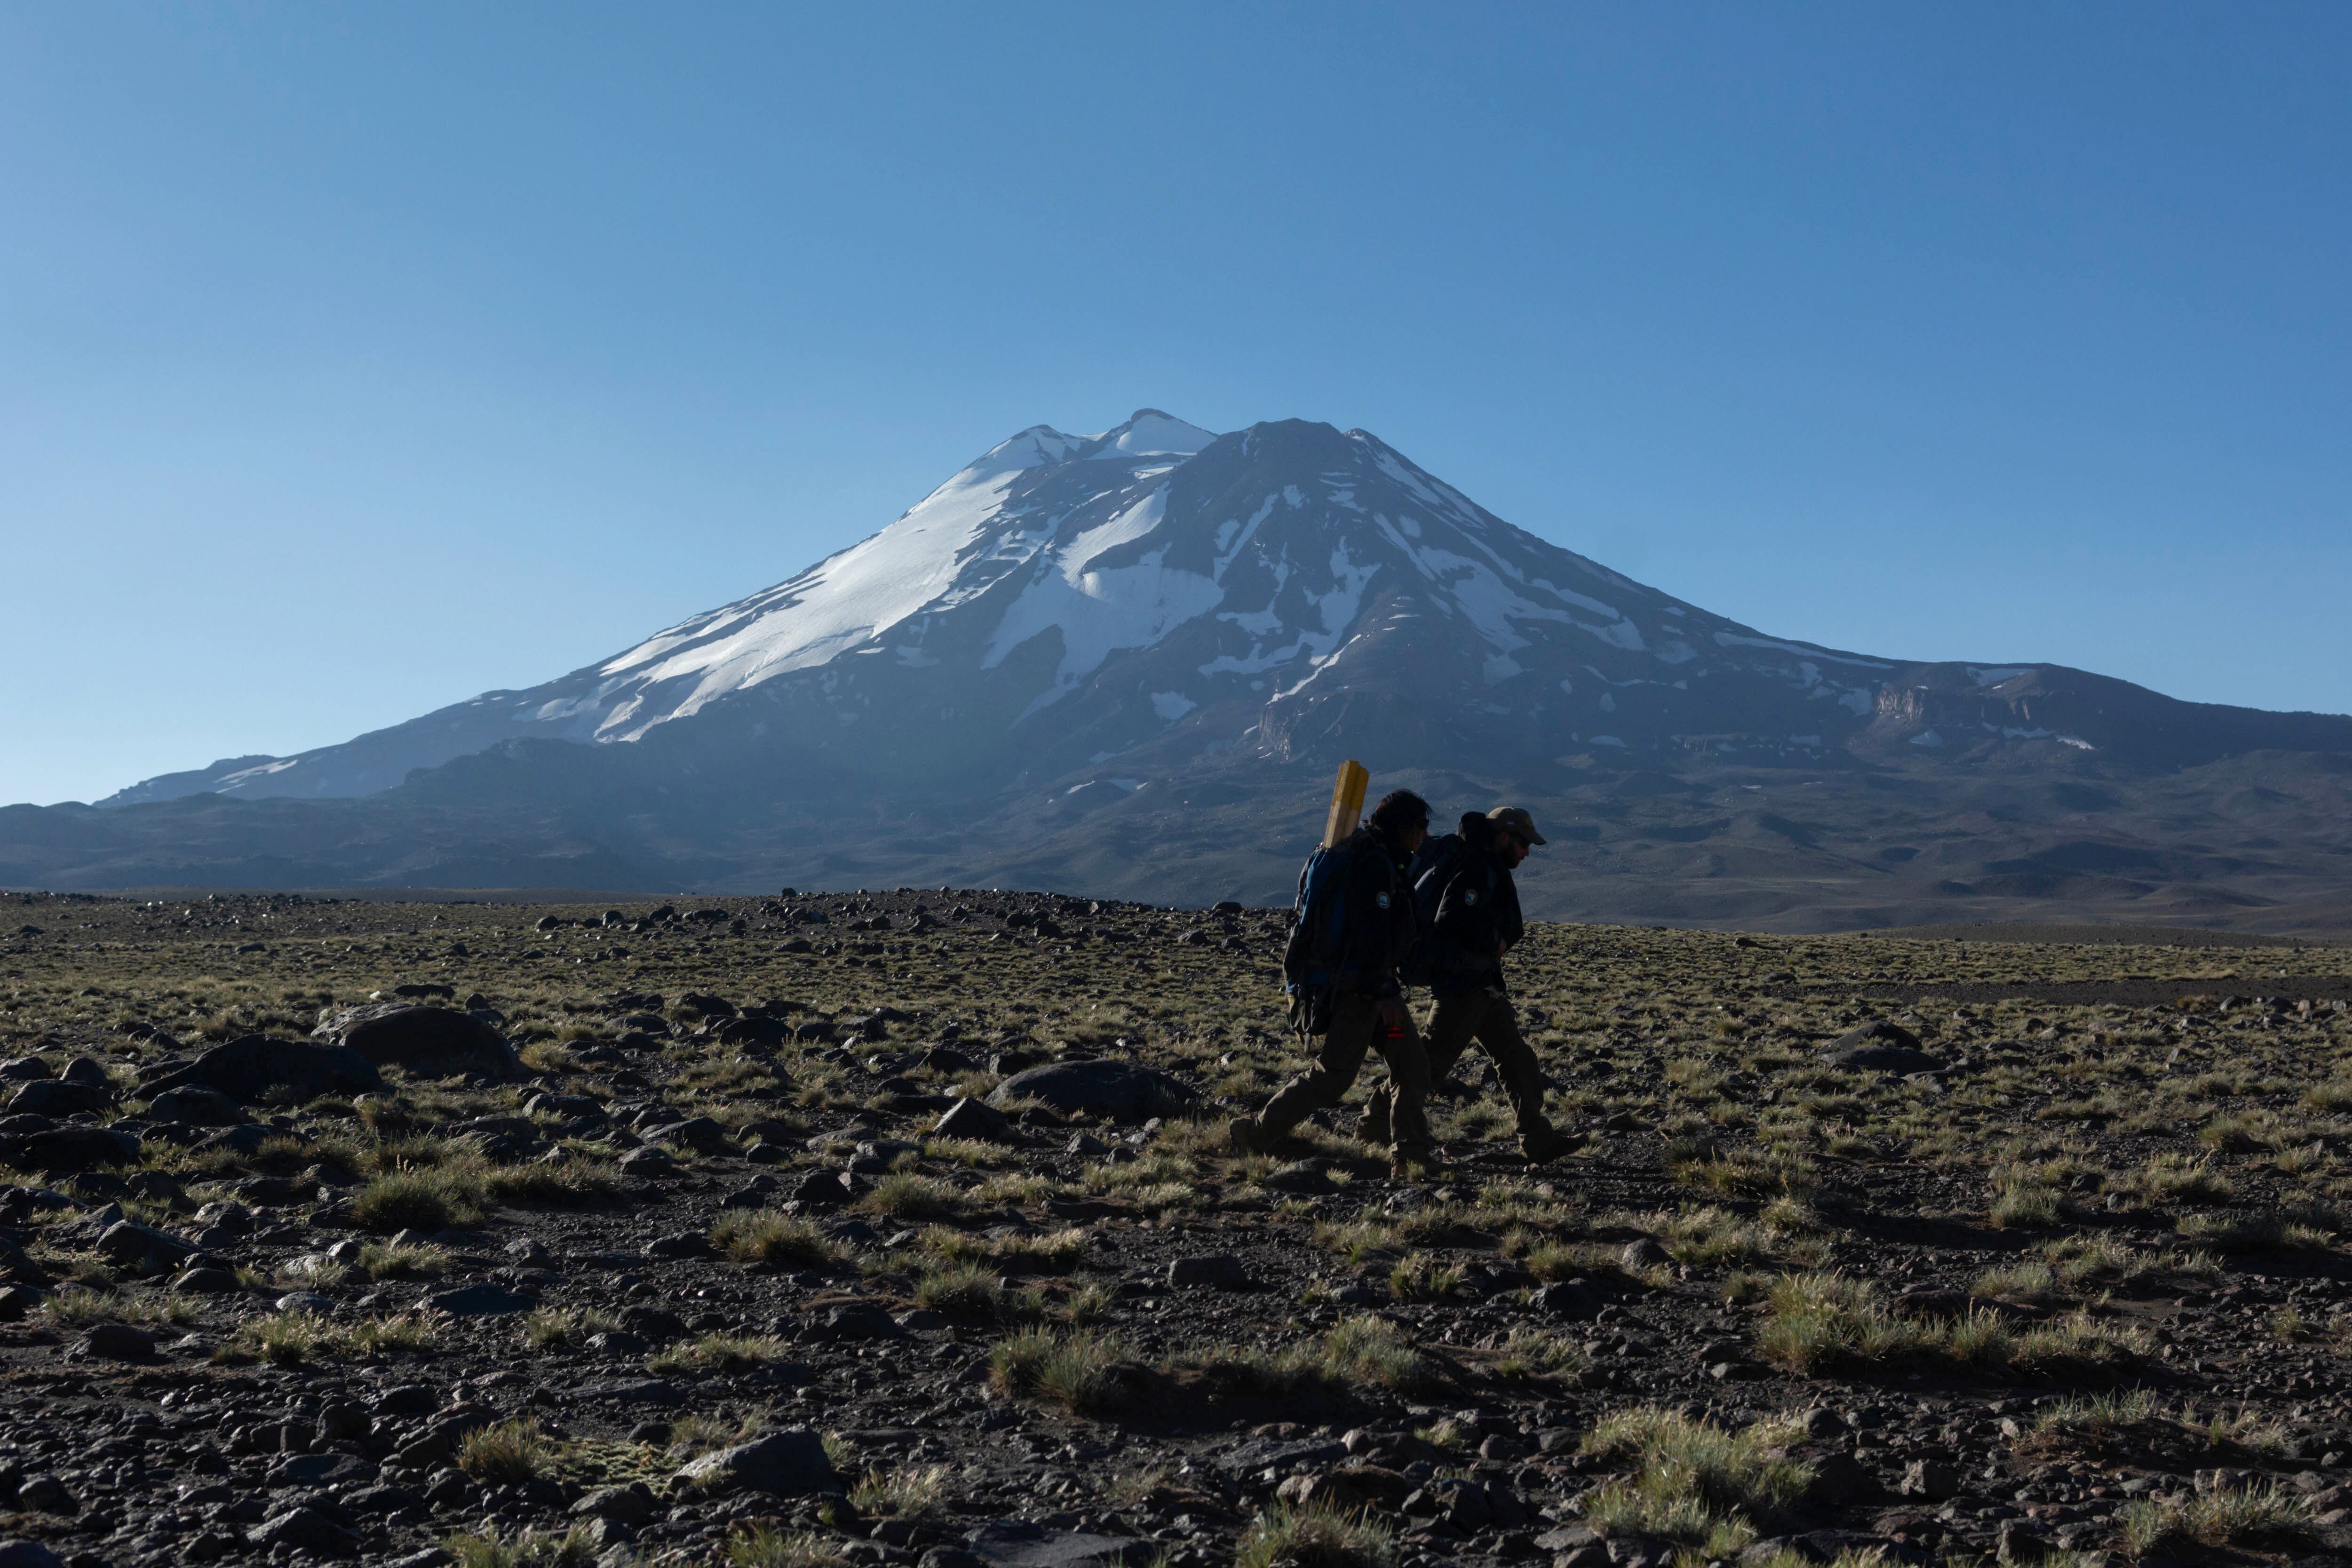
[(898, 1227)]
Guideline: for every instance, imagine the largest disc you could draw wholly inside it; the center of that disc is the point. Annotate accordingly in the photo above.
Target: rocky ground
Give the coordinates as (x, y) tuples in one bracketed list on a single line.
[(897, 1228)]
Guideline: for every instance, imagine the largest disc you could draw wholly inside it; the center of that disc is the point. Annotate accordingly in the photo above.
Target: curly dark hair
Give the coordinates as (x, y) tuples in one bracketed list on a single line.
[(1399, 811)]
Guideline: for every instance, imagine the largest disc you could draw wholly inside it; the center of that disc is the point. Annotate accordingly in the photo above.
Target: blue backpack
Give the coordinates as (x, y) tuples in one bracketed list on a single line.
[(1317, 929)]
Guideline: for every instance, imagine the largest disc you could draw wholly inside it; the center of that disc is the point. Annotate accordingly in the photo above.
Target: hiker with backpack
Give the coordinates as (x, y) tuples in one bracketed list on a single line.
[(1467, 907), (1353, 928)]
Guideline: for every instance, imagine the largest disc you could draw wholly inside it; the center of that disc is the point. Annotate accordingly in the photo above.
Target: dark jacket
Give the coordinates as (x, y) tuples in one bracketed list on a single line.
[(1477, 912), (1380, 929)]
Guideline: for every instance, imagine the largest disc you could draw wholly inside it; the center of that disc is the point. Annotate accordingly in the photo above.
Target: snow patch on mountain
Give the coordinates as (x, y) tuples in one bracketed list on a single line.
[(842, 602)]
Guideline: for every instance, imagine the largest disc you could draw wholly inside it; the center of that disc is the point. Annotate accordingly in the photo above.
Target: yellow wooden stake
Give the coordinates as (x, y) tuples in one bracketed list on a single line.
[(1347, 801)]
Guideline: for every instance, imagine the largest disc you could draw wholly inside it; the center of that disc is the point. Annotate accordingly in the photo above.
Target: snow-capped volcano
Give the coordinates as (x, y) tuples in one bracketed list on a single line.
[(1066, 600)]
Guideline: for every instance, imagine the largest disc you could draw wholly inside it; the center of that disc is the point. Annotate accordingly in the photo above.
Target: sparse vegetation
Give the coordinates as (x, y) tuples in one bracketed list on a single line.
[(1694, 1481), (1748, 1199), (1317, 1537)]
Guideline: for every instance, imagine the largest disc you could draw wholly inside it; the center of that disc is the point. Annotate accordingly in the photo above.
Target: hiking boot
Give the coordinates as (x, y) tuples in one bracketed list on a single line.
[(1547, 1144), (1245, 1136), (1416, 1164)]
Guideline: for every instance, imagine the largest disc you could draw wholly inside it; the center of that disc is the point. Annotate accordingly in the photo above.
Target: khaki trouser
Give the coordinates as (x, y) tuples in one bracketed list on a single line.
[(1488, 1017), (1356, 1028)]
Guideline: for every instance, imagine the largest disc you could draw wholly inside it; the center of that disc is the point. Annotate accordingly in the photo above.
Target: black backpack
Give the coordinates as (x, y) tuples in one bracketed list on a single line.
[(1433, 867)]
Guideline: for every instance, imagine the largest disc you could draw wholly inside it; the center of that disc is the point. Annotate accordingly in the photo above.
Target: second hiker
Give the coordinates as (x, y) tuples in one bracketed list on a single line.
[(1469, 905)]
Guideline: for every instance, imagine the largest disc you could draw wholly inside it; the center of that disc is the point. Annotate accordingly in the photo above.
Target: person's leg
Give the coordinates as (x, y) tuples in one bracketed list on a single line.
[(1443, 1043), (1498, 1032), (1451, 1026), (1341, 1058), (1408, 1090)]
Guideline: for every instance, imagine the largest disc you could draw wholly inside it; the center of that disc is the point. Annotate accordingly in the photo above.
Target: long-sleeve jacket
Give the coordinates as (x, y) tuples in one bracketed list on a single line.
[(1478, 916)]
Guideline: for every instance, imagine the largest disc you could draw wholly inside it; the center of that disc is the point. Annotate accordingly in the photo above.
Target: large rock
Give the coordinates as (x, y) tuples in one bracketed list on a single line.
[(255, 1067), (1209, 1271), (16, 1263), (1880, 1047), (969, 1118), (304, 1528), (480, 1301), (1018, 1543), (698, 1133), (118, 1342), (1114, 1091), (197, 1107), (141, 1246), (435, 1041), (62, 1151), (58, 1097), (790, 1463)]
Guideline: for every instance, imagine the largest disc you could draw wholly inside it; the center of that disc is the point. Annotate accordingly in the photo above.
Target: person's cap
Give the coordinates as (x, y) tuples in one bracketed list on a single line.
[(1514, 819)]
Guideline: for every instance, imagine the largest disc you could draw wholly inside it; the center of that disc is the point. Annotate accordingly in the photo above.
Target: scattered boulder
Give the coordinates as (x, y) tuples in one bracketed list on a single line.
[(141, 1246), (256, 1069), (28, 1554), (631, 1504), (63, 1150), (649, 1161), (304, 1528), (198, 1106), (790, 1463), (1566, 1299), (1306, 1178), (698, 1133), (1018, 1543), (1880, 1047), (860, 1321), (480, 1301), (1931, 1479), (1112, 1091), (969, 1118), (118, 1342), (205, 1282), (1642, 1254), (1211, 1271), (16, 1263), (437, 1041), (60, 1097), (822, 1190)]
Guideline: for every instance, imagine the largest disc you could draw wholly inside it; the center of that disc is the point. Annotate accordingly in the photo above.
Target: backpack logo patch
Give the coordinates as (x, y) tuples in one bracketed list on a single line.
[(1470, 897), (1382, 900)]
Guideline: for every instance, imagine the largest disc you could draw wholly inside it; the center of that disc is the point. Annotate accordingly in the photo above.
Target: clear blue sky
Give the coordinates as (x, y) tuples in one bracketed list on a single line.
[(355, 358)]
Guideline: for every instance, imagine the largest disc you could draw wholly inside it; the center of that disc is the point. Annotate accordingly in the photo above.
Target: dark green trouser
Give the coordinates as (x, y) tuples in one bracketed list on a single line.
[(1356, 1029), (1488, 1017)]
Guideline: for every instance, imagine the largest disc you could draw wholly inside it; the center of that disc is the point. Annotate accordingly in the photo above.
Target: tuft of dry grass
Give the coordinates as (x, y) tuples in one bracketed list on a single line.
[(292, 1339), (1085, 1373), (1316, 1537), (1818, 1322), (2266, 1514), (510, 1452), (773, 1238), (1694, 1481)]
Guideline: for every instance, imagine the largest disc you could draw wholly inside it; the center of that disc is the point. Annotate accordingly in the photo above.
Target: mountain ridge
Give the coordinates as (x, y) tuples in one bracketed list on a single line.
[(1160, 619)]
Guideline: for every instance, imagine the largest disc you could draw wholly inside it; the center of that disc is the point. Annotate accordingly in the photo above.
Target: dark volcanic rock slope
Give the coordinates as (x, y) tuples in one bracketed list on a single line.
[(708, 1284)]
